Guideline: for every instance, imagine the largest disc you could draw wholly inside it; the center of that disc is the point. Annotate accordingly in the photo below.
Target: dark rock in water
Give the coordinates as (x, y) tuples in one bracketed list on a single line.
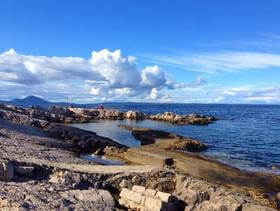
[(194, 119), (173, 141)]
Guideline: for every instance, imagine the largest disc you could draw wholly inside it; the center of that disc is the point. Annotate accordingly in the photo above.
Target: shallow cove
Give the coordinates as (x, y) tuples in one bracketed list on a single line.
[(245, 136)]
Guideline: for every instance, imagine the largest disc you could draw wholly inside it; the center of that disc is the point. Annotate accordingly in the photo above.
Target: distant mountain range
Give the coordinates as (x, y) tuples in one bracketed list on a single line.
[(36, 101)]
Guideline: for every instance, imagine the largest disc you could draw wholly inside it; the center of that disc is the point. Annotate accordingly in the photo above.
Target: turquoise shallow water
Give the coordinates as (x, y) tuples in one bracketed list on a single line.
[(246, 136)]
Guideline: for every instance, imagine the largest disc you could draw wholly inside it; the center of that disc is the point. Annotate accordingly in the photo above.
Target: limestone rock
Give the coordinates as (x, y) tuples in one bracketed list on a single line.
[(131, 195), (138, 189)]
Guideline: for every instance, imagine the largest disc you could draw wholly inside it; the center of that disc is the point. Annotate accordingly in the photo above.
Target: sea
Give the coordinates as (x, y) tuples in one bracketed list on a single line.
[(245, 136)]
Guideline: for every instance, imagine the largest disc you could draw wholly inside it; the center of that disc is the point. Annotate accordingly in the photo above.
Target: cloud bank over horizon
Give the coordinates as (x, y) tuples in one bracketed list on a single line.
[(106, 75), (110, 76)]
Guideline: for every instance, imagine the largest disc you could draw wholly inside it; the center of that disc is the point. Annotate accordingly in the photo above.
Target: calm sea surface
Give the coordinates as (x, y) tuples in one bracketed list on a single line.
[(245, 136)]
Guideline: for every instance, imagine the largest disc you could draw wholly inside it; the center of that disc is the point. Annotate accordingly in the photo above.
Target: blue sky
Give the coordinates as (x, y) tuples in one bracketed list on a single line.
[(193, 51)]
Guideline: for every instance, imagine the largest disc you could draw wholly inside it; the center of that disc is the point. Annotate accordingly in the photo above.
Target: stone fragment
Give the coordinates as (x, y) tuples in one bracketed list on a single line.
[(131, 195), (138, 189)]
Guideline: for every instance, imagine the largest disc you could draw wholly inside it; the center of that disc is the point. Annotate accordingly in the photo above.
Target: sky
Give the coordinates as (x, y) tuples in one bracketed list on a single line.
[(177, 51)]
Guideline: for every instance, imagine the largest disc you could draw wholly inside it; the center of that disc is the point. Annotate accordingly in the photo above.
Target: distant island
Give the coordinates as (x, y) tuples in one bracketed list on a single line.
[(37, 101)]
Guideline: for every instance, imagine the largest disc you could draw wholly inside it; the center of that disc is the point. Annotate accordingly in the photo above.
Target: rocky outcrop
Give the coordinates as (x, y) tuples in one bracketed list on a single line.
[(181, 192), (48, 174), (82, 115), (168, 141), (86, 141), (191, 119), (199, 195), (161, 154), (47, 177), (81, 140)]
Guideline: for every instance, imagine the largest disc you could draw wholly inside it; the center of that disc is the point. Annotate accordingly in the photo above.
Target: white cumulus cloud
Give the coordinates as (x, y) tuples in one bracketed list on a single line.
[(105, 75)]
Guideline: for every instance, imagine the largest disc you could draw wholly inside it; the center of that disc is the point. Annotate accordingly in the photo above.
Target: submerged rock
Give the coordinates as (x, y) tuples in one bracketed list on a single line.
[(168, 141)]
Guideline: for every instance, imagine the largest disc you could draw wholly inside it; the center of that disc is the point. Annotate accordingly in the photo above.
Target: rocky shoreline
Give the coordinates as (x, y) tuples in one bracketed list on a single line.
[(40, 167), (82, 115)]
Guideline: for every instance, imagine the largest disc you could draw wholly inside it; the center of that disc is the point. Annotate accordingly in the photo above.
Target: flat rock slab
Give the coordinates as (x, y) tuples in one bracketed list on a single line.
[(96, 169), (145, 158)]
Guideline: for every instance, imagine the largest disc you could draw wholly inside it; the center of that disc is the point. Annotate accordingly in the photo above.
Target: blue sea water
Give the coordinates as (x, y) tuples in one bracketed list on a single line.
[(245, 136)]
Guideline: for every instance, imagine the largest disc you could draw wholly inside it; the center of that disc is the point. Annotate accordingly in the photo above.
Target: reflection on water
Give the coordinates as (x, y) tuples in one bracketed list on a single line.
[(110, 129), (244, 144)]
